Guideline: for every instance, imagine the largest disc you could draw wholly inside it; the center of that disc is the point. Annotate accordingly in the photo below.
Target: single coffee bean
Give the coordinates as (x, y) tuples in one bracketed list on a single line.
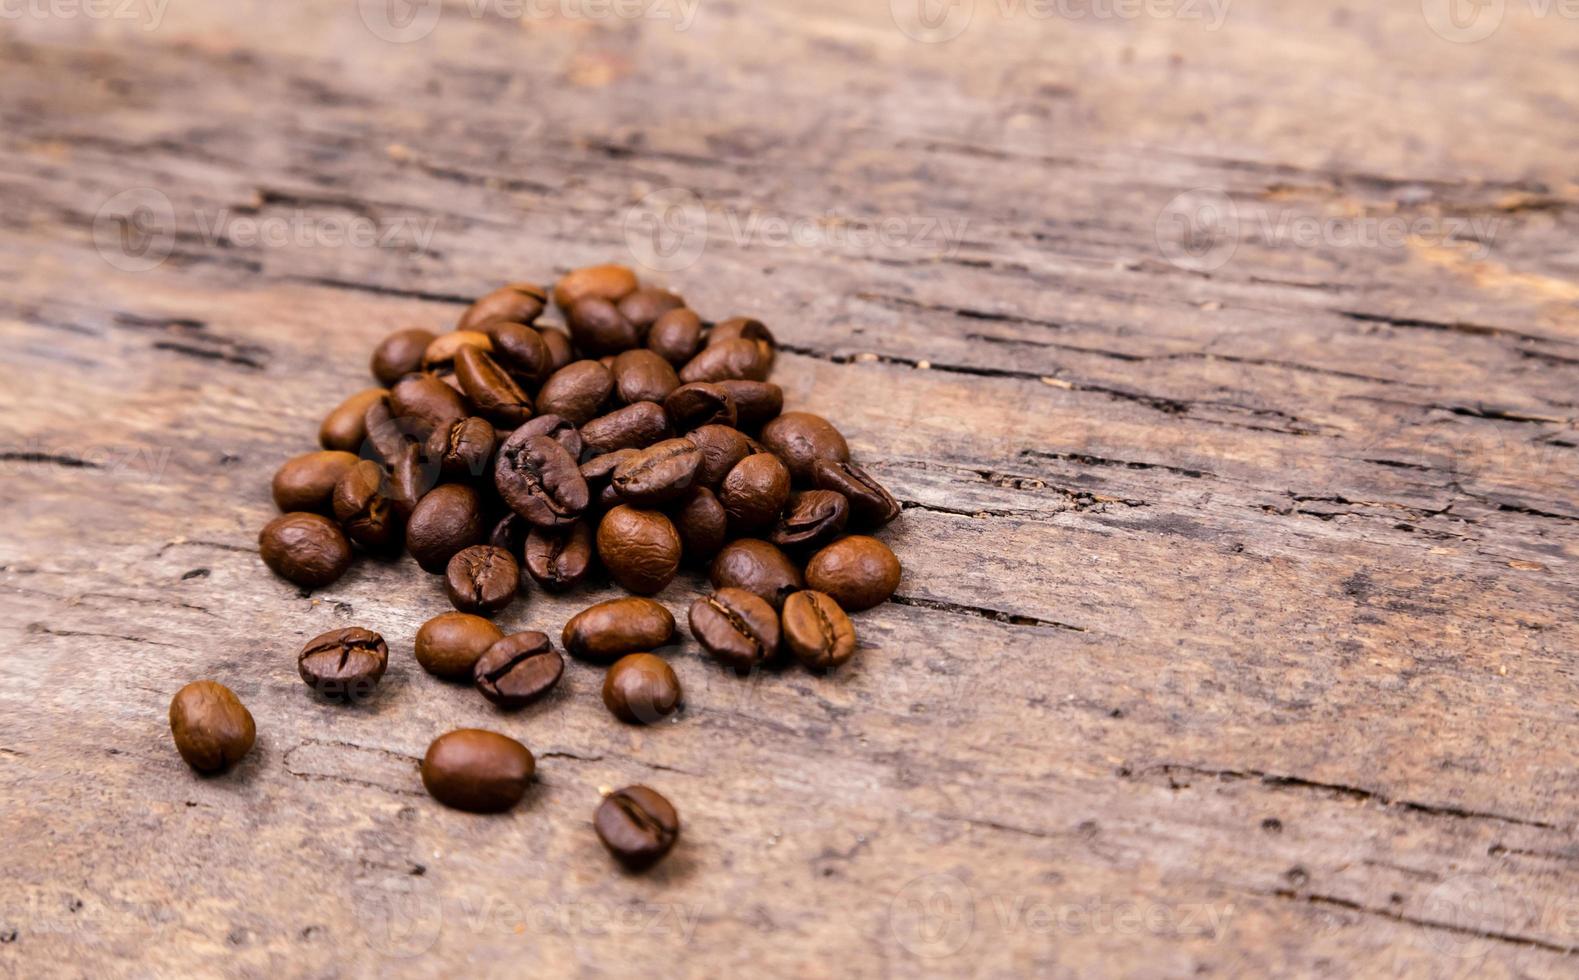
[(817, 631), (521, 350), (632, 427), (703, 525), (364, 509), (441, 355), (344, 664), (307, 482), (491, 389), (756, 402), (599, 474), (640, 548), (737, 358), (213, 730), (739, 629), (560, 351), (644, 306), (518, 670), (637, 825), (722, 447), (463, 449), (640, 689), (447, 519), (754, 493), (411, 476), (747, 328), (449, 644), (610, 282), (476, 770), (642, 376), (800, 439), (422, 403), (659, 474), (481, 579), (576, 391), (539, 480), (518, 302), (871, 505), (387, 436), (510, 533), (400, 354), (859, 572), (676, 336), (306, 549), (757, 567), (609, 630), (345, 428), (598, 327), (556, 428), (698, 404), (559, 558), (814, 518)]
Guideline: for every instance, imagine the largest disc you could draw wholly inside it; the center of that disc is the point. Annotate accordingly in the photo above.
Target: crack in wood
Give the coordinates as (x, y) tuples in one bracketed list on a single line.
[(1350, 905), (983, 612)]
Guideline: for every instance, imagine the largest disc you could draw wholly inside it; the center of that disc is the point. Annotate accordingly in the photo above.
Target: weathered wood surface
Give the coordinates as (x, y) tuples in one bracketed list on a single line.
[(1237, 631)]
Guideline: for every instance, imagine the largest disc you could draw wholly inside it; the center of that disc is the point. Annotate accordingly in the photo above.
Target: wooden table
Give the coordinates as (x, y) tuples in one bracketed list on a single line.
[(1227, 371)]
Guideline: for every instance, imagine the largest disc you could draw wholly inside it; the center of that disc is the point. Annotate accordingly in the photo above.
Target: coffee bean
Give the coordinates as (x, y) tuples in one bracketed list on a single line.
[(632, 427), (510, 533), (441, 355), (364, 509), (637, 825), (213, 730), (449, 644), (576, 391), (559, 558), (800, 439), (642, 376), (521, 351), (640, 549), (757, 567), (722, 447), (387, 436), (748, 329), (307, 482), (344, 664), (676, 336), (756, 402), (871, 505), (640, 689), (598, 327), (411, 476), (539, 480), (817, 631), (447, 519), (556, 428), (306, 549), (599, 474), (814, 518), (476, 770), (737, 358), (739, 629), (611, 629), (345, 428), (518, 670), (481, 579), (644, 306), (610, 282), (698, 404), (659, 474), (858, 572), (754, 493), (489, 387), (518, 302), (560, 351), (400, 354), (702, 524), (463, 449), (424, 403)]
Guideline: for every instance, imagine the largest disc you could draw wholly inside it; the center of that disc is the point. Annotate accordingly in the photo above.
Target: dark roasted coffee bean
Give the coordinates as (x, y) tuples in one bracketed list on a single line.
[(598, 327), (345, 428), (611, 629), (481, 579), (489, 387), (307, 549), (637, 825), (642, 376), (871, 505), (400, 354), (722, 447), (737, 358), (739, 629), (212, 729), (817, 631), (463, 449), (449, 644), (521, 350), (559, 558), (599, 474), (421, 403), (640, 549), (703, 525), (518, 670), (518, 302), (441, 355), (344, 664), (560, 351), (387, 436), (659, 474), (364, 509), (754, 493), (632, 427), (676, 336), (800, 439), (748, 329), (476, 770), (307, 482), (644, 306), (447, 519), (411, 476), (576, 391), (641, 688), (814, 518), (858, 572), (556, 428), (700, 403), (610, 282), (539, 480), (757, 567), (510, 533), (756, 402)]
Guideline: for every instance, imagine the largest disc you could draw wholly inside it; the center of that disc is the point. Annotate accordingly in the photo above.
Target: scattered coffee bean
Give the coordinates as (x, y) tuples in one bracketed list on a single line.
[(659, 474), (449, 644), (344, 664), (345, 428), (817, 631), (462, 449), (737, 358), (871, 505), (481, 579), (387, 436), (306, 549), (722, 447), (540, 481), (411, 476), (477, 770), (518, 302), (560, 350), (556, 428), (702, 524), (644, 306), (521, 351), (610, 282), (748, 329), (212, 729), (756, 402), (518, 670), (640, 548), (559, 558), (754, 492), (489, 387), (632, 427), (641, 688), (859, 572), (800, 439), (399, 354), (577, 392), (364, 509), (814, 518), (446, 519), (599, 474), (739, 629), (611, 629), (510, 533), (757, 567), (642, 376), (422, 403), (441, 355), (637, 825), (700, 403), (676, 336), (598, 328), (307, 482)]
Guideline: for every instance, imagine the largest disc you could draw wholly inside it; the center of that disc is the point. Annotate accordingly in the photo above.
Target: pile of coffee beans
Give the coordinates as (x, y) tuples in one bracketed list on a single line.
[(643, 439)]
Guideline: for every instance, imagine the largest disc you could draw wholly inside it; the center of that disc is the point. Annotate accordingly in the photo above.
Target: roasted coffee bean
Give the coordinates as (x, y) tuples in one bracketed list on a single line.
[(211, 727), (539, 480), (422, 403), (609, 630), (817, 631), (447, 519), (510, 533), (700, 403), (659, 474), (858, 572), (449, 644), (756, 402), (754, 493), (640, 689), (703, 525), (411, 476), (491, 389), (814, 518), (518, 670), (748, 329), (307, 482), (757, 567), (522, 351), (737, 358), (800, 439), (476, 770), (441, 355), (518, 302), (306, 549), (598, 327), (644, 306), (871, 505), (632, 427), (559, 558), (599, 474), (462, 449), (560, 351), (364, 509), (345, 428), (640, 549), (637, 825), (739, 629), (642, 376), (722, 448), (400, 354), (610, 282), (676, 336), (556, 428), (344, 664), (387, 437), (576, 391), (481, 579)]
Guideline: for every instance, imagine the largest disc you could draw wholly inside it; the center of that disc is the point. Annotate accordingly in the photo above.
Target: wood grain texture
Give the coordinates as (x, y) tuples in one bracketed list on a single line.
[(1237, 629)]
